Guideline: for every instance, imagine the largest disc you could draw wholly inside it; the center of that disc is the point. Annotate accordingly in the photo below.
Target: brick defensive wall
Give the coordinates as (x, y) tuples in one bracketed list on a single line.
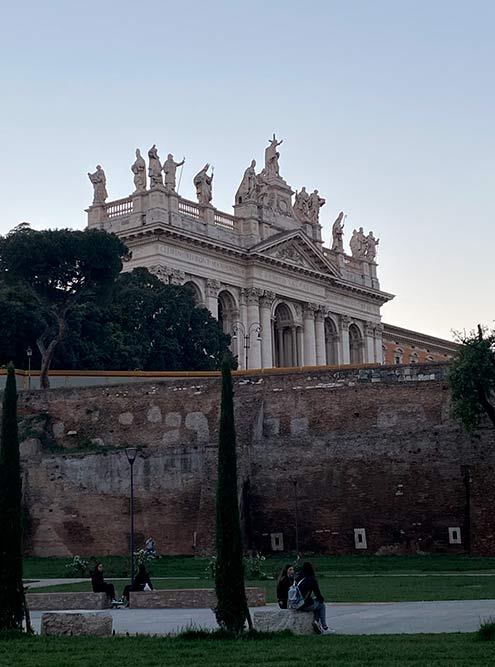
[(368, 460)]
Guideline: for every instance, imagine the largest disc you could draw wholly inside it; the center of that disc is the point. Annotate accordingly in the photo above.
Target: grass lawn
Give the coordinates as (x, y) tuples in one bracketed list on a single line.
[(190, 566), (380, 588), (459, 650)]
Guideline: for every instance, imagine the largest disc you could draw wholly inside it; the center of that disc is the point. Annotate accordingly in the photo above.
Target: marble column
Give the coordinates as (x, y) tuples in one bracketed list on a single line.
[(378, 343), (240, 335), (294, 360), (345, 321), (369, 342), (212, 290), (321, 356), (266, 301), (309, 334), (253, 316), (299, 337)]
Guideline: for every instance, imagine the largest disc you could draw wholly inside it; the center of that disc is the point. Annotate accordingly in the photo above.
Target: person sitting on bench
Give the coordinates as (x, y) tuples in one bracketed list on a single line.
[(139, 583), (100, 585)]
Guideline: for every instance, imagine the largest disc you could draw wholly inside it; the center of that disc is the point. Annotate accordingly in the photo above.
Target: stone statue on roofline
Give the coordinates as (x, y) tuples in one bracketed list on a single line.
[(271, 158), (371, 244), (358, 244), (138, 168), (99, 181), (169, 170), (338, 233), (203, 184), (155, 168), (248, 189), (315, 202), (301, 205)]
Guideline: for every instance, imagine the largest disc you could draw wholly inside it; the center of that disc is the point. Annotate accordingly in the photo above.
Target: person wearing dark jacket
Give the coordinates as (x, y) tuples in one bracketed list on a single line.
[(138, 583), (308, 586), (100, 585), (285, 581)]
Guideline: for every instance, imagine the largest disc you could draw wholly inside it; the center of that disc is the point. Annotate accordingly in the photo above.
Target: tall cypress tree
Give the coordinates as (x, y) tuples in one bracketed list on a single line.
[(11, 587), (232, 610)]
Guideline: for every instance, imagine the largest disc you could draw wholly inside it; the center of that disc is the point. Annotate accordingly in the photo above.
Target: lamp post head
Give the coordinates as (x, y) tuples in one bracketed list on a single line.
[(29, 351), (131, 453)]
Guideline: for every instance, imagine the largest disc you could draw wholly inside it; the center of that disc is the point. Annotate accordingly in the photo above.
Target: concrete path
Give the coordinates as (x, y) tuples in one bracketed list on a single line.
[(350, 619)]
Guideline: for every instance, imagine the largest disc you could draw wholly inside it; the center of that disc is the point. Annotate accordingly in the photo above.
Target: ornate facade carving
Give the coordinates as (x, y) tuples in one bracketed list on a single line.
[(309, 310), (177, 277), (345, 322), (212, 287), (267, 298), (253, 295)]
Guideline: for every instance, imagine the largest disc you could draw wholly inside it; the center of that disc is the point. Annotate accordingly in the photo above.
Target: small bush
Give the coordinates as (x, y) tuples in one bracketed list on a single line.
[(79, 567), (486, 630)]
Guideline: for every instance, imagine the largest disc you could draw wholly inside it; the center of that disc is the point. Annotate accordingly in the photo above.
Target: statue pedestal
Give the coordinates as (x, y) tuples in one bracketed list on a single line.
[(97, 216)]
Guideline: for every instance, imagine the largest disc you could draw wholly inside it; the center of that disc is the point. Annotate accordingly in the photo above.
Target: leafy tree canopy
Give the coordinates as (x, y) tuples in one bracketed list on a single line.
[(57, 269), (140, 324), (472, 378)]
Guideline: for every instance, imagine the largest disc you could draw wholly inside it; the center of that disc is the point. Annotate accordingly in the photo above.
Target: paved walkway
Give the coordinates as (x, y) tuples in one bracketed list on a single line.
[(350, 619)]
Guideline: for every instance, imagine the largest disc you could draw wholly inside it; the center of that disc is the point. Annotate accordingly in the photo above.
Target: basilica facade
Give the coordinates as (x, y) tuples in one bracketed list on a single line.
[(263, 271)]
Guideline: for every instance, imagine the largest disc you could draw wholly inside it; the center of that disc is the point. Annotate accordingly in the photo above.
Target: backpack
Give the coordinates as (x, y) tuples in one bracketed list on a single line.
[(295, 599)]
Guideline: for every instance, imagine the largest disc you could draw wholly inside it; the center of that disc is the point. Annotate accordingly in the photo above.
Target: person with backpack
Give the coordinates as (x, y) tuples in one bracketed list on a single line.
[(307, 586), (285, 581)]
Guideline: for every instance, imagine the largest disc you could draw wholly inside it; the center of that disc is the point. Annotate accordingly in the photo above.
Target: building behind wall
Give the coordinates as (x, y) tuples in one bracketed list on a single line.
[(264, 272)]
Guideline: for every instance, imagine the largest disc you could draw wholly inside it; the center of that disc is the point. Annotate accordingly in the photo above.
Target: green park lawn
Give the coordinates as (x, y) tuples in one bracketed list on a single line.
[(459, 650), (341, 578)]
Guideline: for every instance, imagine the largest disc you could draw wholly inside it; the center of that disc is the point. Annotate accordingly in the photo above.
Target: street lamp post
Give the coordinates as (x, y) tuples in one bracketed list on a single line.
[(29, 353), (131, 453), (239, 328)]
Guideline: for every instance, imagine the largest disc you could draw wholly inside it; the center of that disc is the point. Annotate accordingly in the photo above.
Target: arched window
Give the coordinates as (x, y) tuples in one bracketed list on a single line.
[(227, 312), (355, 345), (398, 355), (331, 342), (196, 292), (413, 359), (285, 337)]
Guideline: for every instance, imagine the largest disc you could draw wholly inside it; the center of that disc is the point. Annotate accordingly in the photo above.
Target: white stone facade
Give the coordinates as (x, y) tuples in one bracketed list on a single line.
[(264, 272)]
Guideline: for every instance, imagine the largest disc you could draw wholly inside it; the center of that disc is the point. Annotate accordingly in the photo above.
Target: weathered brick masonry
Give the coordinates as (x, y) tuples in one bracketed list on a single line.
[(371, 448)]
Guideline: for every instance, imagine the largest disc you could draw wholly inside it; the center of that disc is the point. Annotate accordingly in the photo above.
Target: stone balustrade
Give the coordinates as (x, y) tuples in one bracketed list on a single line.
[(119, 207)]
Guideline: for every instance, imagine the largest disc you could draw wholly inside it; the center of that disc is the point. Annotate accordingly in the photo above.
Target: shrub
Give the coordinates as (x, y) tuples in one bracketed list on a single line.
[(486, 630)]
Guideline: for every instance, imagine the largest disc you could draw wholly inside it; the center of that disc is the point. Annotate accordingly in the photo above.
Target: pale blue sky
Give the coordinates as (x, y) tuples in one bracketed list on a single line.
[(386, 107)]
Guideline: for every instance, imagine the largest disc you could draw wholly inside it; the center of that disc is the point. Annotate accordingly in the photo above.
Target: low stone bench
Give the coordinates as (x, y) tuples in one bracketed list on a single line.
[(187, 598), (52, 601), (96, 625), (300, 622)]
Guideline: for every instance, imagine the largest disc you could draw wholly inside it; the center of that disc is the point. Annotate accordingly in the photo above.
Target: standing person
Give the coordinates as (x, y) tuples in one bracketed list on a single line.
[(285, 581), (139, 583), (306, 581), (100, 585)]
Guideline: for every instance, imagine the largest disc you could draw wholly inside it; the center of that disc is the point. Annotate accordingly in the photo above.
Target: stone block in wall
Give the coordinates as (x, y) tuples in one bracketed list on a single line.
[(187, 598), (299, 622), (79, 600), (96, 625)]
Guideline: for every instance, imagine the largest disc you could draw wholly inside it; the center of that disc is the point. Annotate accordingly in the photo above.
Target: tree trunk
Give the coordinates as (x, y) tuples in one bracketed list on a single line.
[(48, 351)]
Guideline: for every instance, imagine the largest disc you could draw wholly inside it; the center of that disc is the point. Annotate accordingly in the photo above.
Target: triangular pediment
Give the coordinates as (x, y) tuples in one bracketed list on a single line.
[(295, 249)]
